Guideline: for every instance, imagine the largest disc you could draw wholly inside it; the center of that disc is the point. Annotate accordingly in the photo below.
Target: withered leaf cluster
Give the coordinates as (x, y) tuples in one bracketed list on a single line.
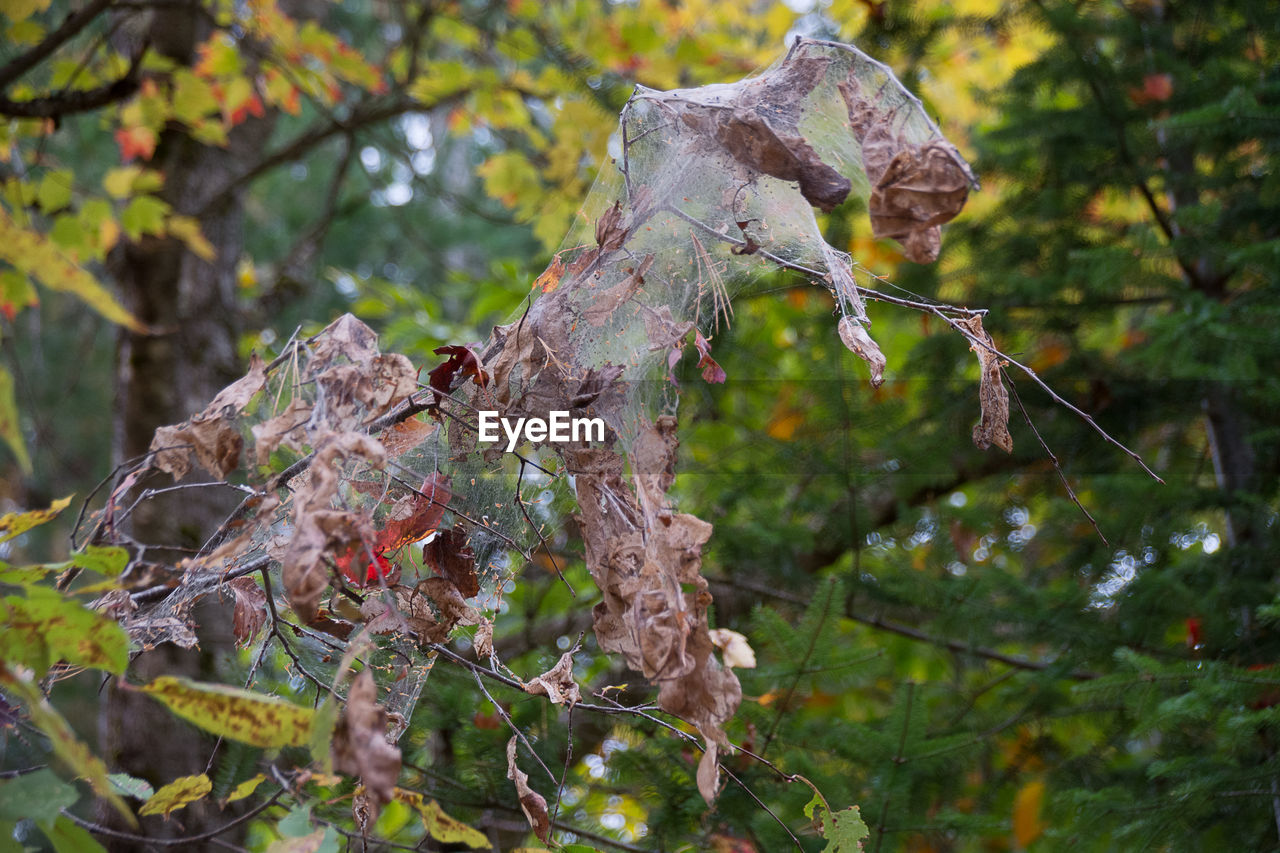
[(915, 187), (212, 435), (760, 129)]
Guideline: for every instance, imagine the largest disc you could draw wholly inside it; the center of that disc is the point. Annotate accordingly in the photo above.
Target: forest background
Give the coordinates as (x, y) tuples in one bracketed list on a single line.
[(943, 636)]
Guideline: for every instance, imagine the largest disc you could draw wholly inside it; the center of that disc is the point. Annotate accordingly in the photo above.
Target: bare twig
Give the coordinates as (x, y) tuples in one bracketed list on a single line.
[(1057, 398), (1053, 459)]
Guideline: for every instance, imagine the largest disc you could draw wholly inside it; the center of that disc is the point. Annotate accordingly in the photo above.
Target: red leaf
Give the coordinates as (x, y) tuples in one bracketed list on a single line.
[(419, 514), (375, 572), (711, 371), (252, 106), (135, 141), (1193, 632), (1156, 88), (461, 358)]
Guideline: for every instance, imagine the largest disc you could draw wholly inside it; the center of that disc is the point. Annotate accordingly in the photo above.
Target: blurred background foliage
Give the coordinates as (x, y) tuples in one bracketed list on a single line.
[(943, 637)]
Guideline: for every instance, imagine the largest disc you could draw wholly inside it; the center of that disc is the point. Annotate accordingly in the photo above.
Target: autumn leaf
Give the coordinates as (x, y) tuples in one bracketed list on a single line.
[(733, 648), (10, 428), (17, 523), (360, 745), (533, 804), (461, 359), (232, 712), (1027, 826), (244, 789), (452, 558), (250, 610), (136, 141), (557, 683), (440, 826), (44, 628), (178, 794), (859, 342)]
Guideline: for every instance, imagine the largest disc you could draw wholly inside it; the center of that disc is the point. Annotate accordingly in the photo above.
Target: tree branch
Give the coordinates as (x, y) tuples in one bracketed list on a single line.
[(74, 23), (67, 103), (908, 631)]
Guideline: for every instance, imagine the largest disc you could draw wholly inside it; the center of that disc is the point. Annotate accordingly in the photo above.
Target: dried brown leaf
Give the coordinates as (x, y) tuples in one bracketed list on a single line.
[(611, 229), (360, 746), (602, 305), (533, 804), (393, 378), (250, 610), (557, 683), (753, 141), (483, 641), (346, 337), (287, 428), (452, 558), (993, 427), (211, 435), (922, 187), (709, 773), (855, 336), (319, 530)]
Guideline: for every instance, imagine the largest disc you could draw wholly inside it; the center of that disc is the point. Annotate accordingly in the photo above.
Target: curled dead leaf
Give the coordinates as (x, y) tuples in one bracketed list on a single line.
[(533, 804), (709, 772), (360, 746), (734, 648), (211, 435), (319, 530), (250, 610), (993, 427), (611, 229), (855, 336), (557, 683)]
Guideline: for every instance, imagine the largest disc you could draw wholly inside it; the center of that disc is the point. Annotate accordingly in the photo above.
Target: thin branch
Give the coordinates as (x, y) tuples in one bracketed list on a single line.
[(1053, 459), (78, 101), (897, 760), (74, 23), (910, 632), (538, 532), (1057, 398), (502, 712)]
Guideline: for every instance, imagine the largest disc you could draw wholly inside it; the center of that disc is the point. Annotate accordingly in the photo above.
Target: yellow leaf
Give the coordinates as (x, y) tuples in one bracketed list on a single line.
[(20, 10), (187, 229), (178, 794), (1027, 826), (31, 252), (17, 523), (231, 712), (783, 425), (10, 429), (245, 788), (439, 825)]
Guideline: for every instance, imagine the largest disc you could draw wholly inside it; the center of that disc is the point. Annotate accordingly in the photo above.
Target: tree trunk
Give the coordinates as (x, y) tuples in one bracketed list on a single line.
[(162, 378)]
